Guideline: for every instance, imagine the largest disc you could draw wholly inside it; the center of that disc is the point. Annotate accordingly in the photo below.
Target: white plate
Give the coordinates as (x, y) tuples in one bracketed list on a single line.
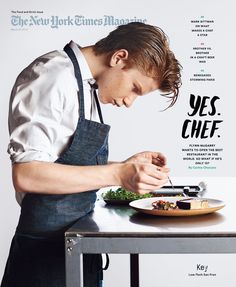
[(145, 206)]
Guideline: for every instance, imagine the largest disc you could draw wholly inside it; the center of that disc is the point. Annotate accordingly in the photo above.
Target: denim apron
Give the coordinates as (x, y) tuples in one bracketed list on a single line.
[(37, 256)]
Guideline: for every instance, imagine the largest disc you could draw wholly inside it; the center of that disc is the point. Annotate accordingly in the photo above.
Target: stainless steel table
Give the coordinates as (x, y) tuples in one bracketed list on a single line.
[(120, 229)]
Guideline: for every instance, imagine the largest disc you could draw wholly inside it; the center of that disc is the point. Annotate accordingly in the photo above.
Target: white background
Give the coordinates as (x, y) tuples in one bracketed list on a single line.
[(142, 127)]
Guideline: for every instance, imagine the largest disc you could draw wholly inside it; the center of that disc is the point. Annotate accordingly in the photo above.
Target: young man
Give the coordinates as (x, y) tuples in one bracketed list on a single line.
[(59, 143)]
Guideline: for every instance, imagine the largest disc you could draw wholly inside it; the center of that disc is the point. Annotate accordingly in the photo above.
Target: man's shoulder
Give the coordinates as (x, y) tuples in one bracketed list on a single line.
[(54, 61), (54, 64)]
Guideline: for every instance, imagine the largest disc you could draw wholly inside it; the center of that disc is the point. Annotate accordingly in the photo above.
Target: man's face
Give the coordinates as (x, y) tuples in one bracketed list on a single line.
[(119, 85)]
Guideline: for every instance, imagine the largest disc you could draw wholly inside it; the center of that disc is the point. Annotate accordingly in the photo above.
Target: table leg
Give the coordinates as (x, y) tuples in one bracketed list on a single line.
[(134, 270), (74, 268)]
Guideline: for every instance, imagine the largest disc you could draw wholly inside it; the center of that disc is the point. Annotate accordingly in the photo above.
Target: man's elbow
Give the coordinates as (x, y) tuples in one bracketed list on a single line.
[(22, 177)]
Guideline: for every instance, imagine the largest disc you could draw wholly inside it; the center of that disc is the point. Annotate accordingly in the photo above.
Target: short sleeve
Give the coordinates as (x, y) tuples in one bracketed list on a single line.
[(36, 109)]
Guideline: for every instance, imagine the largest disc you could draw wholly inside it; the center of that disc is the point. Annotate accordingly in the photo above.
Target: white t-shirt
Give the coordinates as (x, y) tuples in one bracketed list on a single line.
[(44, 107)]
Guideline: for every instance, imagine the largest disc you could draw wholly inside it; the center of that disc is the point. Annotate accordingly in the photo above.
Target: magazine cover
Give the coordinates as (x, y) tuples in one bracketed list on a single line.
[(171, 131)]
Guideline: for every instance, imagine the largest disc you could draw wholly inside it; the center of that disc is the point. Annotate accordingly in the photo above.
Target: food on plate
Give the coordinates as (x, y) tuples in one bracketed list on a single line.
[(192, 203), (187, 203), (164, 205), (123, 194)]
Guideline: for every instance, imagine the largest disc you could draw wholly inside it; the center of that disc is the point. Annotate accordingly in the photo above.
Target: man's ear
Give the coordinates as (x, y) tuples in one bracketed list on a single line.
[(119, 58)]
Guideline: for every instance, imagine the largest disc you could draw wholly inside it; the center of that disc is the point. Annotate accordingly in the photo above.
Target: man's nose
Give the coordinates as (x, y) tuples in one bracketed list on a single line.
[(128, 101)]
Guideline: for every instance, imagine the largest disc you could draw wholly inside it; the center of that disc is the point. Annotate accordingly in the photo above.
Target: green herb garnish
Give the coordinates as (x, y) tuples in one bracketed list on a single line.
[(123, 194)]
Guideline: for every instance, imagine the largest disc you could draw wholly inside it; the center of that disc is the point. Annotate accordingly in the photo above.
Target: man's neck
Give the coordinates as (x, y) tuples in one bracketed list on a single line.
[(96, 63)]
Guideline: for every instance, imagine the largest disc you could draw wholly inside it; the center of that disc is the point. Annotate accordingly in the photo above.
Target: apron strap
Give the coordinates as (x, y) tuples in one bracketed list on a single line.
[(72, 56)]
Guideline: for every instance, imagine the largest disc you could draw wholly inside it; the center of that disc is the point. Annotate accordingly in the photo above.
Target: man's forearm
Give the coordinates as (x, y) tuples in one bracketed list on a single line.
[(53, 178)]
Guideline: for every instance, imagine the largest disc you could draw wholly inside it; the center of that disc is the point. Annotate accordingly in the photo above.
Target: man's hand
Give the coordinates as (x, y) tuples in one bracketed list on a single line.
[(144, 172), (155, 158)]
